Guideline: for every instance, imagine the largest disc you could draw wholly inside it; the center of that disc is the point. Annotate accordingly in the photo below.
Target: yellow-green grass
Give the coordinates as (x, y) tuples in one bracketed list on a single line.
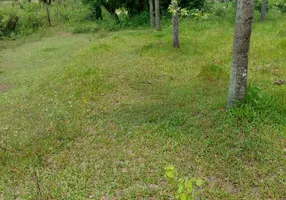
[(100, 116)]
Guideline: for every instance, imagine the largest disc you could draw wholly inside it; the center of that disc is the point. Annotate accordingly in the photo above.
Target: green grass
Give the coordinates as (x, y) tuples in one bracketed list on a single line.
[(100, 116)]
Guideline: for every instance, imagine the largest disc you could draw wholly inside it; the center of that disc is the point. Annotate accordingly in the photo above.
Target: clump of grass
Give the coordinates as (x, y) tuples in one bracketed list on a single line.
[(261, 108), (213, 72)]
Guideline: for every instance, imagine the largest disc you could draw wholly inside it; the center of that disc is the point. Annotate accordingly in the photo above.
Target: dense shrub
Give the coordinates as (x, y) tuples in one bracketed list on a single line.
[(31, 17), (26, 18), (8, 21), (21, 19), (258, 5), (135, 21), (281, 6), (79, 14), (205, 5)]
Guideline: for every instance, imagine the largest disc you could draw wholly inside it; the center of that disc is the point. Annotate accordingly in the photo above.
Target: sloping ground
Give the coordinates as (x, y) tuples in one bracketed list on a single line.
[(99, 117)]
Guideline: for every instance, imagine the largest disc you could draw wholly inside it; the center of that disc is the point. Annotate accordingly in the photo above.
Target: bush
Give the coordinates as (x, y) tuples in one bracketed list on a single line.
[(258, 5), (30, 19), (78, 15), (8, 21), (281, 6), (22, 21), (135, 21), (221, 9)]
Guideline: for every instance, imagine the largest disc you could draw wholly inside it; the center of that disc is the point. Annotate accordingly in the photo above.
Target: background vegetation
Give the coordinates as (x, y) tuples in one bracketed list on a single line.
[(24, 18)]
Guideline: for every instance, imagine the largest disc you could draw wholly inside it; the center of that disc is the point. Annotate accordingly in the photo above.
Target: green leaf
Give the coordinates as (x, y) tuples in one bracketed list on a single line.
[(199, 182), (184, 196), (177, 196), (189, 186), (180, 186), (170, 172)]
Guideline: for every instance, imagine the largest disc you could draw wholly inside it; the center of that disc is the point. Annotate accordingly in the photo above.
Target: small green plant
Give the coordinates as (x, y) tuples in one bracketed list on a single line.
[(185, 186), (180, 11), (199, 15)]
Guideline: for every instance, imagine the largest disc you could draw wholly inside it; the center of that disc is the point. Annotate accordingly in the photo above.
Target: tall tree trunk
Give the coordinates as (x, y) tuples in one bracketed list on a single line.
[(263, 10), (151, 7), (175, 23), (48, 14), (59, 13), (239, 68), (157, 14)]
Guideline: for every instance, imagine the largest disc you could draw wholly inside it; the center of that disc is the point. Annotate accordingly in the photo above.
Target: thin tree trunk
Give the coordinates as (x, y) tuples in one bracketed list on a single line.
[(152, 20), (263, 10), (72, 4), (175, 23), (48, 14), (59, 14), (239, 68), (157, 14)]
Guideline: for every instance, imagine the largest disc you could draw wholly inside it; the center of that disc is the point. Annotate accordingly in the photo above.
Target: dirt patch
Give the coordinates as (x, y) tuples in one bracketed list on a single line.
[(4, 88)]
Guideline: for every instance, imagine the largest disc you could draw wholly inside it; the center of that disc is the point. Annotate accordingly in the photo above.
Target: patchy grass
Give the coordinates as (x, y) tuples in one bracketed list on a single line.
[(100, 116)]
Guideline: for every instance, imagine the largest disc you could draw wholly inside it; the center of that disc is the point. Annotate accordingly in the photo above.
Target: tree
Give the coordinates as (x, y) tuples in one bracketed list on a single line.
[(47, 3), (239, 68), (175, 23), (157, 14), (151, 7), (263, 10), (48, 14)]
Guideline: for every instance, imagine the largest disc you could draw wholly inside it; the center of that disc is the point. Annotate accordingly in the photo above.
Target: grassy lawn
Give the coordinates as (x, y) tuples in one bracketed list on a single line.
[(100, 116)]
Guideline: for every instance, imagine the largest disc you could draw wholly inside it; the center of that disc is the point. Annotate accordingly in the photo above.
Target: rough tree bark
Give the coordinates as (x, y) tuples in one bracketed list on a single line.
[(263, 10), (175, 23), (152, 19), (157, 15), (239, 68)]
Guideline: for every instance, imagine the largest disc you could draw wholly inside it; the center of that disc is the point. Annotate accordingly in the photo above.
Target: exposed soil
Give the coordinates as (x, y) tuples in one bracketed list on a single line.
[(4, 88)]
